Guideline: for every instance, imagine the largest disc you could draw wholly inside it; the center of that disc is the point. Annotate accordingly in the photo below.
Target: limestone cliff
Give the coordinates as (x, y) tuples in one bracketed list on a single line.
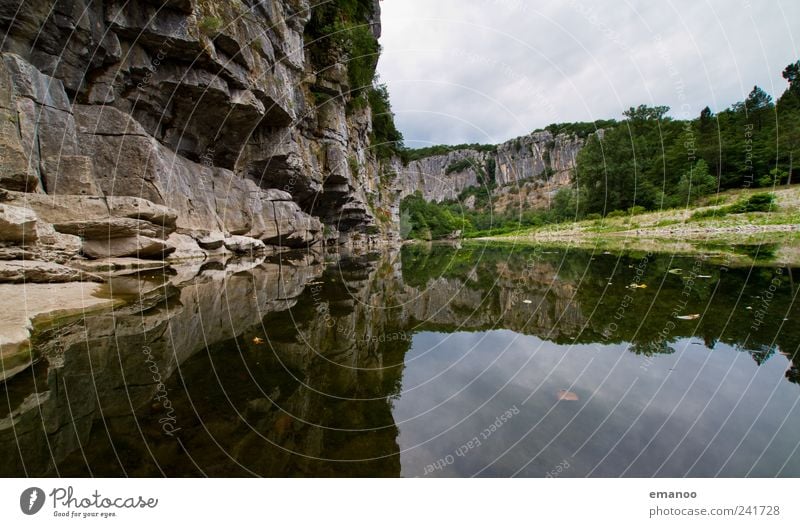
[(180, 129), (532, 167)]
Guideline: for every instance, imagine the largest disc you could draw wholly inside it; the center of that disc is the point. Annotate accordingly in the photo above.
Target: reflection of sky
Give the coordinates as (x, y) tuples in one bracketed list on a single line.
[(456, 385)]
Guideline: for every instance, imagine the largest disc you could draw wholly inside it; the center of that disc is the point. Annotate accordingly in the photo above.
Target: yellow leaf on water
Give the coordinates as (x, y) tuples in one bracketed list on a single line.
[(258, 340), (566, 395)]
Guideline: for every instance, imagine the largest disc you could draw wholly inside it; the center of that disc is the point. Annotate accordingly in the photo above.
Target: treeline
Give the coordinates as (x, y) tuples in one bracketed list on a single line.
[(648, 161), (652, 161)]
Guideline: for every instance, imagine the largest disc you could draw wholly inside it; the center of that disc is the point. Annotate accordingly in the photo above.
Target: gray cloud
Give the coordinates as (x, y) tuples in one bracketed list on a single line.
[(489, 70)]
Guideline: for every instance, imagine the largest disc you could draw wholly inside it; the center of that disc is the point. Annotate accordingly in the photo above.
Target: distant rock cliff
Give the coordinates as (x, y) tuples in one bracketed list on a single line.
[(179, 129), (539, 162)]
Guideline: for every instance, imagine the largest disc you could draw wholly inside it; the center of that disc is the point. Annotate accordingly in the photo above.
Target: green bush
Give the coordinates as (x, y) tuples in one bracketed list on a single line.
[(210, 25), (414, 154), (594, 216), (616, 214), (460, 165), (709, 213), (386, 139), (763, 202), (716, 200), (636, 210)]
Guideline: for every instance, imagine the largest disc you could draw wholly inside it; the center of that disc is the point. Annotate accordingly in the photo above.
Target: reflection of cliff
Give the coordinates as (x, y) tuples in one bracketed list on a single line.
[(582, 297), (104, 367), (290, 367)]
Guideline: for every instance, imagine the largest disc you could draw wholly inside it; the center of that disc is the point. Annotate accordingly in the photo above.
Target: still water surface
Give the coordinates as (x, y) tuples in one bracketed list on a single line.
[(430, 361)]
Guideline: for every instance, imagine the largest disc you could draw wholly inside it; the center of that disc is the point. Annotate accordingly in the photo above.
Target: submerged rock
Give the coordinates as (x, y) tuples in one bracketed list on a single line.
[(32, 271)]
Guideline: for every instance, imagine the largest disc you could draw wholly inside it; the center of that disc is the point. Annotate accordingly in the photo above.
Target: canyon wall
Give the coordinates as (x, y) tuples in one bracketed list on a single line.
[(539, 163), (179, 129)]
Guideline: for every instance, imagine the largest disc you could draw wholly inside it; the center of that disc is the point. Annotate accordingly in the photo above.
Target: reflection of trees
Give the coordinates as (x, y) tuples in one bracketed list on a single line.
[(644, 317), (650, 348)]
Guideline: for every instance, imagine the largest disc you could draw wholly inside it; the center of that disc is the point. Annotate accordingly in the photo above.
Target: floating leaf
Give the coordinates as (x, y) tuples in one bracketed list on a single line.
[(693, 316), (675, 271), (526, 301), (258, 340), (637, 286), (565, 395)]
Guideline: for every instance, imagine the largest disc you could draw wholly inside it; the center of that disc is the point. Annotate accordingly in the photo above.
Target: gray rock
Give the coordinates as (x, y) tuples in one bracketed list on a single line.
[(138, 246), (17, 224), (70, 174), (210, 240), (244, 245), (32, 271), (102, 229), (186, 248)]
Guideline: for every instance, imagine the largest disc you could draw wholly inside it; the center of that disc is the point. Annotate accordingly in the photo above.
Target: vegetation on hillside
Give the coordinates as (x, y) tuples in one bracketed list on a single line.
[(339, 30), (650, 161)]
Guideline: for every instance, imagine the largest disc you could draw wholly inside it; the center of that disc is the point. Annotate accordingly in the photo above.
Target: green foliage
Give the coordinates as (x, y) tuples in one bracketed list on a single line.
[(363, 51), (491, 170), (580, 129), (763, 202), (210, 25), (693, 185), (652, 161), (340, 30), (438, 150), (386, 139), (616, 214), (460, 165), (636, 210), (430, 221), (709, 213)]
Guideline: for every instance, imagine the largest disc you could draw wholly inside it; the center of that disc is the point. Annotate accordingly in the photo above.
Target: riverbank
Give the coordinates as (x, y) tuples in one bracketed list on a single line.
[(709, 228)]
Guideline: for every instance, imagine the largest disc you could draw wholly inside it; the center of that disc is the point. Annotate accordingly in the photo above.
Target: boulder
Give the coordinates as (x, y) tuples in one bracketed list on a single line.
[(33, 271), (244, 244), (210, 240), (186, 248), (17, 224), (103, 229), (138, 246)]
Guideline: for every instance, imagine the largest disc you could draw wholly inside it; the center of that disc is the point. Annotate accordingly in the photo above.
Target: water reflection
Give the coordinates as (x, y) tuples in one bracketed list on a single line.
[(433, 361)]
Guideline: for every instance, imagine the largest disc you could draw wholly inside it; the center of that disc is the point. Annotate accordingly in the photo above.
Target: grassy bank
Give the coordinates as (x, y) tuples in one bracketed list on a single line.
[(719, 224)]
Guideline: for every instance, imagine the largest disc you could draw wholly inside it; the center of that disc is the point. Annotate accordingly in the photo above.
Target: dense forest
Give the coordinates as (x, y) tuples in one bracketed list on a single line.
[(647, 161)]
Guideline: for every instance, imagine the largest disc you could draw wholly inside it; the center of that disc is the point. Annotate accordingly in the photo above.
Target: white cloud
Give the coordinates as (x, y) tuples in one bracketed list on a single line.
[(489, 70)]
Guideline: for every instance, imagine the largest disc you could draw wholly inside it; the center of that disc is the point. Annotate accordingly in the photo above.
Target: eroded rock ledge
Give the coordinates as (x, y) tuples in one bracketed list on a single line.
[(175, 130)]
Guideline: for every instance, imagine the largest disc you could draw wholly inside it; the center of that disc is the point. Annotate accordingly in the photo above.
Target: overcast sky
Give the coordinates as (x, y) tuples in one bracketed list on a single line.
[(490, 70)]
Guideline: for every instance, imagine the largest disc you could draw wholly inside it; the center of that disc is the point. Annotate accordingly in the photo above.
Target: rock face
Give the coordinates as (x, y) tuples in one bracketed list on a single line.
[(430, 175), (538, 161), (197, 118)]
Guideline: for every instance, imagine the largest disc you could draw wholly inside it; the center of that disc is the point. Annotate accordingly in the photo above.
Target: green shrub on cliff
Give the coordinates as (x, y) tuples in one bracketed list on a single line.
[(386, 139), (340, 30)]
